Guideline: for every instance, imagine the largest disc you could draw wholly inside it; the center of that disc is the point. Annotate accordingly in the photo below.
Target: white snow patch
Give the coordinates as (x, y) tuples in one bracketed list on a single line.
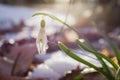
[(61, 63), (58, 63), (43, 71), (42, 57), (15, 13), (6, 24)]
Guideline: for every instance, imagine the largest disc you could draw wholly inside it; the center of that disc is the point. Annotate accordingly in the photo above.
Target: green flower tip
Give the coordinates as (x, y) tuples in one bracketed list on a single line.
[(42, 23)]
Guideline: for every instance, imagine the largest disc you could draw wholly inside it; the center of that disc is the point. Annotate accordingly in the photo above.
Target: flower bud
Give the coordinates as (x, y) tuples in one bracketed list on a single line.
[(42, 23)]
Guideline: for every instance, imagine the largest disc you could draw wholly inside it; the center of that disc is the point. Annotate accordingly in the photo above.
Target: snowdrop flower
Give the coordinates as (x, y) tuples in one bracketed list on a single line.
[(41, 41)]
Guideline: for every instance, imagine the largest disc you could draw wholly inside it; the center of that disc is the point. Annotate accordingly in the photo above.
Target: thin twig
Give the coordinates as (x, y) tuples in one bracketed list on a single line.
[(66, 17), (15, 63)]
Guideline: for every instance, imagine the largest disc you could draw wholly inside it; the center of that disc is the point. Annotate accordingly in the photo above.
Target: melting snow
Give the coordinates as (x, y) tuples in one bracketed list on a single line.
[(45, 72), (57, 64)]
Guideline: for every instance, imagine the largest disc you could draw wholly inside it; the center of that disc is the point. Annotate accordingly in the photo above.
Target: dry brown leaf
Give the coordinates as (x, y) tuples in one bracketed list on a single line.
[(26, 55), (106, 52)]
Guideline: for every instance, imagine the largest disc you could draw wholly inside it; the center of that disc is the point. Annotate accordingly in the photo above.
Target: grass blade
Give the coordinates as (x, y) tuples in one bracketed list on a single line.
[(99, 54), (112, 45), (74, 56), (90, 45), (118, 74), (106, 68)]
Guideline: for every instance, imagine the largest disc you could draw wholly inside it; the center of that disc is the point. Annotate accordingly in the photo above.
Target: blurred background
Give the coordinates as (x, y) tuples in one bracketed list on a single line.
[(16, 21), (19, 30)]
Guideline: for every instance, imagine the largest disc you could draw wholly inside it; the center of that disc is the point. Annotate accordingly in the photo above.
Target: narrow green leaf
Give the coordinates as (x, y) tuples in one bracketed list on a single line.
[(87, 42), (106, 68), (74, 56), (118, 74), (99, 54), (112, 45)]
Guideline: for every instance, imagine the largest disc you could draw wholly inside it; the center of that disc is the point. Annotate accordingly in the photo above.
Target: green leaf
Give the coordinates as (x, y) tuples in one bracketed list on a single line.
[(87, 42), (118, 74), (112, 45), (115, 66), (74, 56), (106, 68)]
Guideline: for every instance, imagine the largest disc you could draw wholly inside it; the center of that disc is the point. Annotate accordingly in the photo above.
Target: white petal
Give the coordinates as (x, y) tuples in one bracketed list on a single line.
[(41, 42)]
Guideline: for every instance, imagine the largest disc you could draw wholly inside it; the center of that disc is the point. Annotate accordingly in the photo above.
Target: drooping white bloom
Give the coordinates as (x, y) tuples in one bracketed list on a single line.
[(41, 41)]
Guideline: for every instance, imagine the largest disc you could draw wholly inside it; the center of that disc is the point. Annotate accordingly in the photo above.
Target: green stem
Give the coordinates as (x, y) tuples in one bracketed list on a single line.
[(57, 19), (54, 18)]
